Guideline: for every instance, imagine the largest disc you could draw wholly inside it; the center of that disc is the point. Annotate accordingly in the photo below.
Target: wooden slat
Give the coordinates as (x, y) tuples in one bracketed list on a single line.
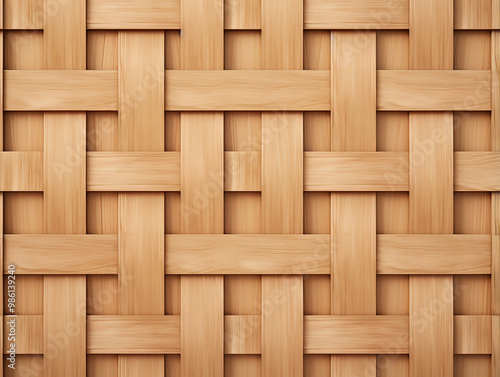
[(247, 254), (472, 334), (431, 155), (358, 14), (242, 14), (242, 334), (433, 90), (431, 34), (62, 254), (64, 34), (347, 334), (282, 174), (133, 171), (242, 171), (21, 171), (64, 313), (431, 335), (472, 14), (282, 330), (28, 334), (495, 346), (202, 332), (255, 90), (64, 172), (130, 14), (23, 14), (495, 83), (136, 365), (477, 171), (60, 90), (433, 254), (141, 253), (138, 334), (356, 171)]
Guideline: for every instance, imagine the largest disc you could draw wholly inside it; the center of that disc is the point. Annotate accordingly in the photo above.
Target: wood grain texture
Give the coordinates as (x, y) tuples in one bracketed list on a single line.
[(477, 171), (433, 90), (242, 171), (29, 334), (137, 334), (472, 334), (21, 171), (242, 334), (347, 334), (247, 254), (247, 90)]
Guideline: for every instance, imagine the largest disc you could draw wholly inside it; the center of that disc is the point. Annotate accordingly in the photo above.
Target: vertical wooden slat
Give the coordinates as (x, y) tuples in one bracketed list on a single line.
[(282, 322), (202, 331), (202, 188), (495, 196), (64, 190), (353, 216), (431, 192), (141, 249)]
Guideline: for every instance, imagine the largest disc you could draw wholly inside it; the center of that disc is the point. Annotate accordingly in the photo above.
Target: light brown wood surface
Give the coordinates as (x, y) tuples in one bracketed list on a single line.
[(251, 188)]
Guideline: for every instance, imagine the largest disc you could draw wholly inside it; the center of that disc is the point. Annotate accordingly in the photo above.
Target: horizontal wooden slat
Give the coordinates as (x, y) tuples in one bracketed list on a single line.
[(21, 171), (242, 334), (433, 90), (477, 171), (367, 334), (472, 334), (355, 14), (61, 253), (60, 90), (356, 171), (28, 334), (410, 254), (247, 90), (133, 14), (138, 334), (247, 254), (133, 171), (242, 171)]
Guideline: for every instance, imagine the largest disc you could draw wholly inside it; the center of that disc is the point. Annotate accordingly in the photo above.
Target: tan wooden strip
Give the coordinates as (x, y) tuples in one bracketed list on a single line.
[(282, 328), (472, 14), (242, 334), (353, 365), (64, 172), (130, 14), (23, 14), (21, 171), (353, 92), (495, 346), (242, 171), (357, 14), (434, 90), (141, 365), (431, 155), (240, 15), (28, 334), (64, 315), (282, 44), (141, 253), (356, 171), (495, 84), (495, 15), (431, 34), (347, 334), (431, 334), (282, 173), (247, 254), (60, 90), (433, 254), (64, 34), (247, 90), (477, 171), (202, 331), (353, 240), (133, 171), (138, 334), (495, 273), (202, 172), (61, 254), (472, 334)]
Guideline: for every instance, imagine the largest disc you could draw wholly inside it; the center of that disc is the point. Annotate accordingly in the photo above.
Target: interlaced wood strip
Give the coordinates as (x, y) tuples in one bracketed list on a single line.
[(253, 188)]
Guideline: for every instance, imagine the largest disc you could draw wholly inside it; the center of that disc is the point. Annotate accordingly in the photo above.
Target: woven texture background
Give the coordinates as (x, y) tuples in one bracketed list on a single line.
[(251, 188)]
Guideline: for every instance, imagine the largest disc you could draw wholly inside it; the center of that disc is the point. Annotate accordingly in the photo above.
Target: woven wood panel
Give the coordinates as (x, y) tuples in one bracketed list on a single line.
[(251, 188)]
